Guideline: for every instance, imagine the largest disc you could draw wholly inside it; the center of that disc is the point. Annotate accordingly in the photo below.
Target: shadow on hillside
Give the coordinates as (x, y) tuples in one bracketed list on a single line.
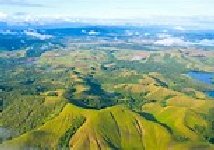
[(151, 117), (103, 99)]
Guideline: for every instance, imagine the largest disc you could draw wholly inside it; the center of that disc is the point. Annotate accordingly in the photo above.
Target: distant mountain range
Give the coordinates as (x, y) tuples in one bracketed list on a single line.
[(13, 37), (194, 22)]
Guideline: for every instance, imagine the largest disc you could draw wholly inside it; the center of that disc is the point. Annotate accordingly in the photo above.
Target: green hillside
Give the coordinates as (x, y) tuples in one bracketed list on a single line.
[(67, 100)]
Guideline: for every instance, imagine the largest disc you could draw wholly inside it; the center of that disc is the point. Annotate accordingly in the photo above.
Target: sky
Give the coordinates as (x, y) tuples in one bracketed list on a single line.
[(104, 9)]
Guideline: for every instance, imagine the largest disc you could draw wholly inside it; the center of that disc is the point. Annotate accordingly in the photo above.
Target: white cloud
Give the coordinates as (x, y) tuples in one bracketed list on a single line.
[(147, 34), (8, 32), (180, 28), (206, 42), (163, 35), (21, 3), (172, 41), (37, 35), (92, 32), (3, 15)]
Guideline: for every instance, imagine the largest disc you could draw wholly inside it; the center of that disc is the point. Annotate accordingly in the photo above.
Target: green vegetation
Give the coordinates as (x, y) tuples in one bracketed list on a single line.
[(103, 99), (64, 140)]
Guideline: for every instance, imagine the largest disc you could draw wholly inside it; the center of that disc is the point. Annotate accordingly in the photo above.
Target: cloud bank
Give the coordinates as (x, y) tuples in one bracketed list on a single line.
[(21, 3), (172, 41), (3, 15)]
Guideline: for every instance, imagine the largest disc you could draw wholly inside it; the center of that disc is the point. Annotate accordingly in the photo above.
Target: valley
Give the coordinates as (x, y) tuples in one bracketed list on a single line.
[(106, 95)]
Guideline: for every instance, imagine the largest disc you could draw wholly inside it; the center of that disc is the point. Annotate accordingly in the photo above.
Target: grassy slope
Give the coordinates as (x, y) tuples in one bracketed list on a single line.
[(182, 117), (117, 127), (114, 127), (180, 113), (51, 131)]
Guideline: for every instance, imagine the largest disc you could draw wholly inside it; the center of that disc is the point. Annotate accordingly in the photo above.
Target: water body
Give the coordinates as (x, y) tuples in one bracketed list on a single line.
[(210, 94), (205, 77)]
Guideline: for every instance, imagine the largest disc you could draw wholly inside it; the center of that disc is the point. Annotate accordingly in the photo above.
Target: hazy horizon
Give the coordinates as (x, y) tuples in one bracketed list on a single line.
[(27, 10)]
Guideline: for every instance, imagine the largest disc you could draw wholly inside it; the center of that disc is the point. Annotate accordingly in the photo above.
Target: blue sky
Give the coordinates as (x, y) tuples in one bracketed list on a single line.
[(107, 9)]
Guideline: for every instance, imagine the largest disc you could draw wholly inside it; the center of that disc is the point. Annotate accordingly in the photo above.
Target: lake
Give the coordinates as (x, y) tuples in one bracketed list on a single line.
[(210, 93), (205, 77)]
